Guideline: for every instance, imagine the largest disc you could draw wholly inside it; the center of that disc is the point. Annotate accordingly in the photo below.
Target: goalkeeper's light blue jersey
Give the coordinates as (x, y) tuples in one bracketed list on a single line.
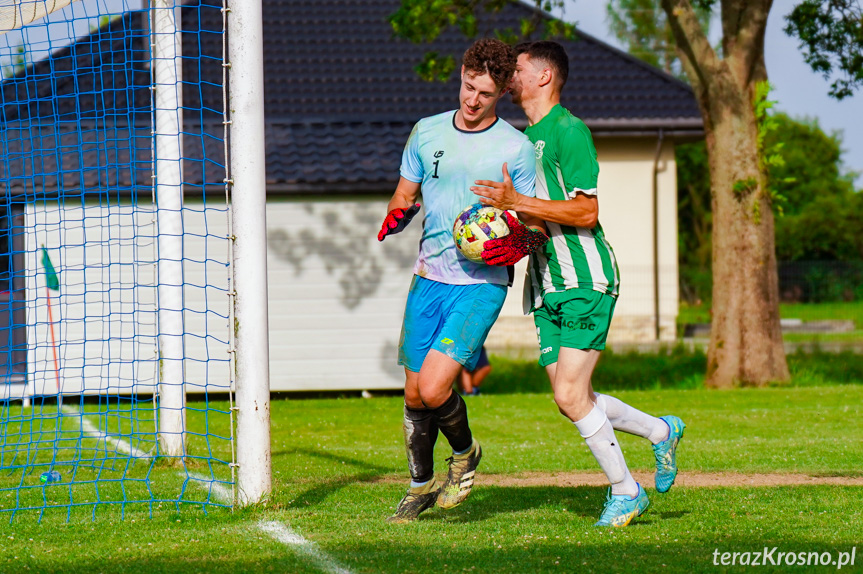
[(447, 161)]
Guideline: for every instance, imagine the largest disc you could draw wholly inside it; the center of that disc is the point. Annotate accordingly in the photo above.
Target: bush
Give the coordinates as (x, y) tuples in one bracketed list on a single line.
[(673, 368), (820, 281), (822, 368)]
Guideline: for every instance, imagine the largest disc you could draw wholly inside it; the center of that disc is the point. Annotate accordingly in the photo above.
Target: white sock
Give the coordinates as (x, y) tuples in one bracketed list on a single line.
[(598, 433), (627, 419)]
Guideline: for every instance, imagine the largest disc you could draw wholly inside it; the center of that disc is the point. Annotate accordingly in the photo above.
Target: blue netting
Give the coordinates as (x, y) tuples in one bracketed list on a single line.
[(81, 359)]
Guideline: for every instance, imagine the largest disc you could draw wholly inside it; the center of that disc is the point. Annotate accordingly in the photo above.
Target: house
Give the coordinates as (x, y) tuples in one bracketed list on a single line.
[(341, 98)]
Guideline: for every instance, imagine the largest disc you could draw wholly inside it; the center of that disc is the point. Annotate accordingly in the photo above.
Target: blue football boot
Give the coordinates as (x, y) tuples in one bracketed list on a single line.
[(620, 509), (666, 454)]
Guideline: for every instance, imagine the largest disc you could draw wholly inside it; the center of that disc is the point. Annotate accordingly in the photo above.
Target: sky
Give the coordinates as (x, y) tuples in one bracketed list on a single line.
[(798, 91), (57, 30)]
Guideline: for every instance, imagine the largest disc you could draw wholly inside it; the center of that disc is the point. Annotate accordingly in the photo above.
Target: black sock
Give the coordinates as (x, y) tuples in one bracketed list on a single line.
[(451, 418), (420, 428)]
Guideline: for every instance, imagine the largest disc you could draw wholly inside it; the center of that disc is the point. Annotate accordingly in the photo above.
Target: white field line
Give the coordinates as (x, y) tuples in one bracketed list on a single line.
[(274, 529), (310, 550), (219, 491), (91, 430), (278, 531)]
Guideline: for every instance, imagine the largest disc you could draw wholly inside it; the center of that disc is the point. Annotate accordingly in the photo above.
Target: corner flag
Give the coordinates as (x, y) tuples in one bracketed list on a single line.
[(52, 283), (51, 279)]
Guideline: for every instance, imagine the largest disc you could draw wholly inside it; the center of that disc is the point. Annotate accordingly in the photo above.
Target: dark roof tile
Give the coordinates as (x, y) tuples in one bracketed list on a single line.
[(341, 98)]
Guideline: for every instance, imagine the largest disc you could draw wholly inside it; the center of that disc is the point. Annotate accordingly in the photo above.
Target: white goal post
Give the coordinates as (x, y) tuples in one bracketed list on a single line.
[(247, 188), (166, 46), (247, 183)]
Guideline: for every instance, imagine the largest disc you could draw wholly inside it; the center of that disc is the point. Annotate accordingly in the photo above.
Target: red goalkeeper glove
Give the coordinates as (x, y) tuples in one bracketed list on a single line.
[(396, 220), (509, 249)]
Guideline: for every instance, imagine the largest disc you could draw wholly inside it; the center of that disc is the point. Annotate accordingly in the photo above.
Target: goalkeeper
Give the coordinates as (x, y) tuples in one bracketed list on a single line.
[(453, 302), (572, 284)]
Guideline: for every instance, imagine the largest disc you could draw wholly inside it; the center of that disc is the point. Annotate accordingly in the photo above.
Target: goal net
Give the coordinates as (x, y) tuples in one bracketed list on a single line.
[(116, 338)]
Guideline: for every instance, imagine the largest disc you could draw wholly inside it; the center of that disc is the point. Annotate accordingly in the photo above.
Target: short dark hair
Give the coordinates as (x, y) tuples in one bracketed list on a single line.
[(549, 52), (493, 57)]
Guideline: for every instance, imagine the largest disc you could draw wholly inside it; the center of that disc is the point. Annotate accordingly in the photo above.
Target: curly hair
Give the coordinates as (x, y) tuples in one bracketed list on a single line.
[(493, 57)]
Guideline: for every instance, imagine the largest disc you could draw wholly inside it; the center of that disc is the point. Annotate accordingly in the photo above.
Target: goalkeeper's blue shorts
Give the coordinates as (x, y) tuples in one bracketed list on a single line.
[(451, 319)]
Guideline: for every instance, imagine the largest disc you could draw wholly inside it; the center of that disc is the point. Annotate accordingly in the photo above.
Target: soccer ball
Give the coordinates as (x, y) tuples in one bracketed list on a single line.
[(474, 226)]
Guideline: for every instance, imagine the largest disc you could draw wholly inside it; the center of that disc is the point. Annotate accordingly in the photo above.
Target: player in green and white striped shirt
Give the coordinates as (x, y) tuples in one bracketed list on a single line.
[(573, 282), (578, 256)]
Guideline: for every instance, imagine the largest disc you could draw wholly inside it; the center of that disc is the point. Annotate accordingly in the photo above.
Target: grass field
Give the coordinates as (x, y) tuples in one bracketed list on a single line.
[(338, 467)]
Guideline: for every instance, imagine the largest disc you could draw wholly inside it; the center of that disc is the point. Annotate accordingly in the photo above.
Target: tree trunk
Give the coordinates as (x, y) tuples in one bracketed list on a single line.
[(745, 339)]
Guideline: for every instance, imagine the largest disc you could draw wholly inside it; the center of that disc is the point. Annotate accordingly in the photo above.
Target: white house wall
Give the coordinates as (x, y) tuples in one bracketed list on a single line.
[(336, 294), (336, 297), (626, 213), (104, 315)]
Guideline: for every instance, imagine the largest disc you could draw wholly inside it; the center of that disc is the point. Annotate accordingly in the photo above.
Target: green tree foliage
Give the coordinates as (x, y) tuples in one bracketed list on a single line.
[(422, 21), (803, 163), (822, 212), (642, 26), (813, 163), (831, 36), (14, 65), (827, 229), (695, 222)]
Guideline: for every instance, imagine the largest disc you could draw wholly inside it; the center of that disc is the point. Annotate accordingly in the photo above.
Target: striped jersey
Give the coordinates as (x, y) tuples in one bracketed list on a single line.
[(575, 257)]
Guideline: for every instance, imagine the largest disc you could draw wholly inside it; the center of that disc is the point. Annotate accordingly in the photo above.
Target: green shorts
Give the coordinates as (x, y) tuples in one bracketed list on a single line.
[(575, 318)]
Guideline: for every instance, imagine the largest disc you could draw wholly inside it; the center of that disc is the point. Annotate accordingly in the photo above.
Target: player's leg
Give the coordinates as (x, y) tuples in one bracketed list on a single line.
[(573, 398), (663, 432), (631, 420), (434, 385), (574, 329), (572, 394), (480, 371), (418, 424), (473, 311), (479, 376), (450, 414), (420, 434), (465, 380)]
